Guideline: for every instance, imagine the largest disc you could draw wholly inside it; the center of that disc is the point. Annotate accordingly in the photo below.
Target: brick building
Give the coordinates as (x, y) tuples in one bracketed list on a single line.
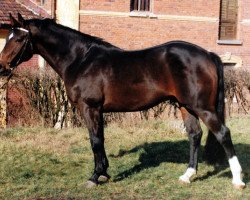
[(222, 26)]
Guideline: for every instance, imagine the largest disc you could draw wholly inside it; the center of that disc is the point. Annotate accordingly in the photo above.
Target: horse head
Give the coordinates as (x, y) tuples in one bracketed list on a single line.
[(18, 47)]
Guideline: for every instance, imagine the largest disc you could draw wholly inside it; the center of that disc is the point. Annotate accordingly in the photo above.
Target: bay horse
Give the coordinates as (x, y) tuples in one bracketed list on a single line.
[(100, 77)]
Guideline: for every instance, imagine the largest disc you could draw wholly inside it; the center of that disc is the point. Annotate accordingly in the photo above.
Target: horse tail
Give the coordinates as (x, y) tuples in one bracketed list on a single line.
[(214, 152)]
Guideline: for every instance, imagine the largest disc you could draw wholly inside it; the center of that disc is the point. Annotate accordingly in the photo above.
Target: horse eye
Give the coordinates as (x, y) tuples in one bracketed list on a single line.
[(19, 39)]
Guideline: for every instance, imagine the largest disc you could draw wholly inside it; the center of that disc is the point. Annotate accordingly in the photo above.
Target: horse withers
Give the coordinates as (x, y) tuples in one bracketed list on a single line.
[(100, 77)]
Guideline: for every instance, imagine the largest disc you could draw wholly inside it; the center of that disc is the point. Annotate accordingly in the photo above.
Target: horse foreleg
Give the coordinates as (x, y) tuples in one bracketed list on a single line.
[(194, 133), (94, 121)]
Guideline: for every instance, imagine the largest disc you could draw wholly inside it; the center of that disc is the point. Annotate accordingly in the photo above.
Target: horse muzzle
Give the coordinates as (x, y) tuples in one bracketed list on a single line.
[(4, 70)]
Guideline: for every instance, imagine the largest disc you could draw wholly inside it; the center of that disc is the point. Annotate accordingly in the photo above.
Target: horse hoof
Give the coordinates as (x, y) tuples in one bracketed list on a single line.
[(184, 180), (240, 186), (90, 184), (103, 179)]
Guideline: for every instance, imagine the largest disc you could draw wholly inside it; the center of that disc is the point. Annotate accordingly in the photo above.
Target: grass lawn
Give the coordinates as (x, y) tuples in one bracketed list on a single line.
[(145, 163)]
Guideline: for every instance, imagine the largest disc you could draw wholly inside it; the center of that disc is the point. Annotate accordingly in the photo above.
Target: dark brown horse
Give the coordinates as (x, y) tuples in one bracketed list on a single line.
[(100, 77)]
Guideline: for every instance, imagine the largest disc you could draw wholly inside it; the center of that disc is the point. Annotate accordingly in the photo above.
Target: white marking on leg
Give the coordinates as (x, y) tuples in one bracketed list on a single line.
[(188, 174), (236, 171)]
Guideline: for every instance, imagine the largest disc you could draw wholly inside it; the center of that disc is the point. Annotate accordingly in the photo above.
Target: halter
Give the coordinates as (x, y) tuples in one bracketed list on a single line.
[(23, 48), (23, 29)]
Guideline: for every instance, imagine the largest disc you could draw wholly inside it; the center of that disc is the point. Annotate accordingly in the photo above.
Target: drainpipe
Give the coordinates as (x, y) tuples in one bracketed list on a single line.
[(53, 9)]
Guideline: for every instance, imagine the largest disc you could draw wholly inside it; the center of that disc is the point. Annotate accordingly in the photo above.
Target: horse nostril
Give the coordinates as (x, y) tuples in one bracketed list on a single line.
[(2, 70)]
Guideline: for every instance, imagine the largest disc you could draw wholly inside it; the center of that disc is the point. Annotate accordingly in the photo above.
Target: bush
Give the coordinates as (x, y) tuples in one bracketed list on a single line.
[(47, 96), (237, 91)]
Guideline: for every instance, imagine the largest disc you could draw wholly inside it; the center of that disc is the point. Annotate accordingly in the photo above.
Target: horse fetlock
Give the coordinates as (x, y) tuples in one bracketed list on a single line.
[(185, 178), (90, 184), (100, 169), (103, 178), (96, 180), (238, 184), (236, 172)]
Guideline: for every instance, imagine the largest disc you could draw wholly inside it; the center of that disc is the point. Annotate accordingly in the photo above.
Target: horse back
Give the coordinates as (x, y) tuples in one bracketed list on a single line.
[(136, 80)]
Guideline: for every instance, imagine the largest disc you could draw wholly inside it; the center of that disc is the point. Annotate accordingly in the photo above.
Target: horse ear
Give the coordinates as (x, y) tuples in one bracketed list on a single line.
[(13, 21), (20, 19)]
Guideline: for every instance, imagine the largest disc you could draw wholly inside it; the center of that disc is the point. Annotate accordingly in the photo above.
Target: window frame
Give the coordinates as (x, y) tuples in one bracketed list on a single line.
[(228, 23), (139, 3)]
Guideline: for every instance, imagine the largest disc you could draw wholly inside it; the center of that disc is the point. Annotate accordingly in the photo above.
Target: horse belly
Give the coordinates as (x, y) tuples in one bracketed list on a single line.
[(135, 98)]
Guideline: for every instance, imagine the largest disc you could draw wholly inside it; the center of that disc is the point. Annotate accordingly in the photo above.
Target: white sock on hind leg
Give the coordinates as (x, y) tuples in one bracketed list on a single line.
[(236, 171)]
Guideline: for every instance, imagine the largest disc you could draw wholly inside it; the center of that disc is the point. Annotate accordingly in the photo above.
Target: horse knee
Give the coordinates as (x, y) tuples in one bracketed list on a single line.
[(195, 137), (194, 133), (223, 136)]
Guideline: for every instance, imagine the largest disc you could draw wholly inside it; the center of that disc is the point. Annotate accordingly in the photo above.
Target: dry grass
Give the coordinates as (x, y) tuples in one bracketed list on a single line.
[(146, 159), (49, 140)]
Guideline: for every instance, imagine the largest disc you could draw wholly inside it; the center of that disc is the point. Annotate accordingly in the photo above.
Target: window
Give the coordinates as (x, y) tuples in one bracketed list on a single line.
[(42, 2), (228, 20), (140, 5)]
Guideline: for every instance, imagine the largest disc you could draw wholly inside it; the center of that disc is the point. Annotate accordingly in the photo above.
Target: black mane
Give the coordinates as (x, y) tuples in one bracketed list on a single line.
[(51, 25)]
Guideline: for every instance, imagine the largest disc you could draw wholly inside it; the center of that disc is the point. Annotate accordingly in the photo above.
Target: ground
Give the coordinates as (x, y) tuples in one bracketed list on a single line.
[(146, 160)]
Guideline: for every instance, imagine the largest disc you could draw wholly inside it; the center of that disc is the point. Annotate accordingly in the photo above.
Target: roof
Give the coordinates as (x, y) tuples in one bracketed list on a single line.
[(13, 7)]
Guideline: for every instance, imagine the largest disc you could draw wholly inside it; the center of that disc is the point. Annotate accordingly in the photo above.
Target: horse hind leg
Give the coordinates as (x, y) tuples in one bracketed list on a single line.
[(222, 134), (194, 131)]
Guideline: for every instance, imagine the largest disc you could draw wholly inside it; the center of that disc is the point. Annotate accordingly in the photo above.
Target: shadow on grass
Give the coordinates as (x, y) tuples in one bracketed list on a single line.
[(155, 153)]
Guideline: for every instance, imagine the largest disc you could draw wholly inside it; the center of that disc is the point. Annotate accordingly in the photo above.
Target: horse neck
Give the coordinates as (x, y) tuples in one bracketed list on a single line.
[(54, 50)]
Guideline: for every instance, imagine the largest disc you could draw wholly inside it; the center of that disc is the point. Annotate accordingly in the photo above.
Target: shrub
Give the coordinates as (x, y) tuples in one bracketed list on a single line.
[(47, 96), (237, 88)]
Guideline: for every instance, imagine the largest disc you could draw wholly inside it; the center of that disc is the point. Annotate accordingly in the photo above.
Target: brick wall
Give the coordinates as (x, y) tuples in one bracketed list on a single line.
[(136, 33), (244, 32), (107, 5), (244, 6), (29, 65), (196, 21), (193, 21), (187, 7)]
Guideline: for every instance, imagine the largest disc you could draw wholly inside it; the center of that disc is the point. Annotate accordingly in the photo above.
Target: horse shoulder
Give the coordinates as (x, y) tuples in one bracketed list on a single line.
[(86, 85)]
